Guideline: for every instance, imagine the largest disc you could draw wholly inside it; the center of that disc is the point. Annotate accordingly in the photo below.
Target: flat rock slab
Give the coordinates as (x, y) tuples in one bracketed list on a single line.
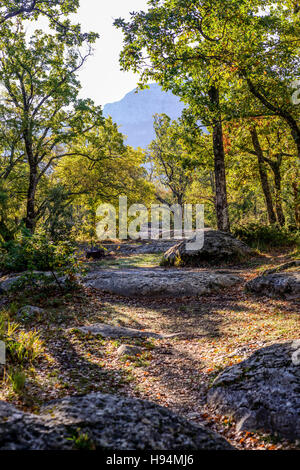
[(159, 282), (110, 331), (150, 247), (110, 422), (262, 393), (10, 282), (282, 284)]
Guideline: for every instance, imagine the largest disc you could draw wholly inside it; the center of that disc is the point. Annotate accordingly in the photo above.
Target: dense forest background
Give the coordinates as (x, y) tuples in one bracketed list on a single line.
[(235, 148)]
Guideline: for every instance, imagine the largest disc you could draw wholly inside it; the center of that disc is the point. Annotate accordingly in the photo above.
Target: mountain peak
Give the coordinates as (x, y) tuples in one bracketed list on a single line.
[(134, 113)]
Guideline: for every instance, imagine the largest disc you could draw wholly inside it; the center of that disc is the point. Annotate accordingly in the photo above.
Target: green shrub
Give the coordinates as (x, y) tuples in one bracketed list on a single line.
[(262, 236), (21, 346), (17, 378), (81, 441), (59, 214), (32, 253)]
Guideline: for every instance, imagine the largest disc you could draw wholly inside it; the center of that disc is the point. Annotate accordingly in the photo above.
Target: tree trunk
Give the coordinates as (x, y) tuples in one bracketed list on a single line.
[(263, 176), (296, 191), (275, 167), (30, 220), (219, 155), (278, 111), (278, 203)]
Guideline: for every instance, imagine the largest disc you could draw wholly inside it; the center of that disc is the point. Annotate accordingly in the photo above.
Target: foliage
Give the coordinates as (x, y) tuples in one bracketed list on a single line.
[(212, 42), (58, 219), (37, 252), (258, 235), (81, 441), (44, 121), (212, 45), (100, 170), (17, 378), (56, 11), (22, 347), (173, 164), (40, 111), (60, 159)]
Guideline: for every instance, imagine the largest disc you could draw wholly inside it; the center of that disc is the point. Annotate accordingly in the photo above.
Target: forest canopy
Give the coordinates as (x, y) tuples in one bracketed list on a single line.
[(236, 147), (235, 65)]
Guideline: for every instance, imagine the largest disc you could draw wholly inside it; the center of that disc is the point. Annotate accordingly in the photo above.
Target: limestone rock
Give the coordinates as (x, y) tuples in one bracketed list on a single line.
[(218, 247), (129, 350), (28, 312), (262, 392), (159, 282), (108, 423), (110, 331), (10, 282), (277, 284)]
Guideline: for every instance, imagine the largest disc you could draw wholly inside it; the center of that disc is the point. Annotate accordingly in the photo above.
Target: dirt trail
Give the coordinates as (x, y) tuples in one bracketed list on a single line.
[(219, 330)]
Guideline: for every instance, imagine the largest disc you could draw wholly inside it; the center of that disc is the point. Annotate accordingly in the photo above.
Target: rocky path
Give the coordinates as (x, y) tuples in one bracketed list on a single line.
[(160, 282), (219, 329)]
